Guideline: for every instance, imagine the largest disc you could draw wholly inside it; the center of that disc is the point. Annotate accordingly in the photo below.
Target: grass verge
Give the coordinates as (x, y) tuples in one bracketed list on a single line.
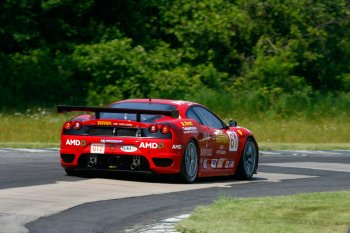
[(42, 129), (31, 130), (29, 145), (302, 213), (303, 146)]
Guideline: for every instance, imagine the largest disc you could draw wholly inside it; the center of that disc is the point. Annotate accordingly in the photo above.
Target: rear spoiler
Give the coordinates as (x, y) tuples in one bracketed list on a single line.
[(98, 110)]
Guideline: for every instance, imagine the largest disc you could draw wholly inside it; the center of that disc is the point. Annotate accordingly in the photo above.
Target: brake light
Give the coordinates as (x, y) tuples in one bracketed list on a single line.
[(68, 125), (164, 129), (153, 128), (77, 125)]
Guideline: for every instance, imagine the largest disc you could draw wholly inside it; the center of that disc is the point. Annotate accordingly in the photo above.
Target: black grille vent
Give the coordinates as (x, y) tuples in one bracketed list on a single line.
[(113, 161), (99, 131), (162, 162), (67, 158)]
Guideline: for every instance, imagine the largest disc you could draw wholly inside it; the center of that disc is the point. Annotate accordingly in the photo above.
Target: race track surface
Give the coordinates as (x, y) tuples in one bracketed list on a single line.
[(36, 196)]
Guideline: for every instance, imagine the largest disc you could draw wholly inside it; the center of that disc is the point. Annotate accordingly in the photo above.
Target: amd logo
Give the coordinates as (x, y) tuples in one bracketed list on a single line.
[(151, 145), (75, 142), (176, 147)]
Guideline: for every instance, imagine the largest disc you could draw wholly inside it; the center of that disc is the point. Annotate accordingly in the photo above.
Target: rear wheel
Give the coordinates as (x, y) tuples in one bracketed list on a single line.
[(189, 164), (249, 159)]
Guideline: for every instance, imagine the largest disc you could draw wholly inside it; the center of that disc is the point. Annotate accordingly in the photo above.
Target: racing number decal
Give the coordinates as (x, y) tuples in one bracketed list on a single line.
[(233, 141)]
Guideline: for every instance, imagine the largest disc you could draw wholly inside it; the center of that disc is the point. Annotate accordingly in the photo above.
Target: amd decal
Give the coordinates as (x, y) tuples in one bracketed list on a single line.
[(75, 142), (151, 145), (176, 147)]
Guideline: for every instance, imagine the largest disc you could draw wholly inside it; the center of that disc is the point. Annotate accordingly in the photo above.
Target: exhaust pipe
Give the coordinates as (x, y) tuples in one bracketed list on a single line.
[(133, 166), (92, 161), (136, 161)]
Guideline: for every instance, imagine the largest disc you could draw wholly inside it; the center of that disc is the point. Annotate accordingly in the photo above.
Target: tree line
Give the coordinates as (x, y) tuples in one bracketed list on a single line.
[(99, 51)]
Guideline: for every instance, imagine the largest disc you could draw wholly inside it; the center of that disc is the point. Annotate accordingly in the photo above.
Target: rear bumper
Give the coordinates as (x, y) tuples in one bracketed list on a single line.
[(156, 155)]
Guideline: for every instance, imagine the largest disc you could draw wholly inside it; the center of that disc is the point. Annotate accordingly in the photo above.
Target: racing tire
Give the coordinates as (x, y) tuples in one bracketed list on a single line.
[(249, 161), (189, 163)]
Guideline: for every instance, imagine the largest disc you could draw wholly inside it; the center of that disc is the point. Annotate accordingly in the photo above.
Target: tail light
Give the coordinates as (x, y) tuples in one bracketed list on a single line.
[(164, 129), (77, 125), (153, 128), (68, 125)]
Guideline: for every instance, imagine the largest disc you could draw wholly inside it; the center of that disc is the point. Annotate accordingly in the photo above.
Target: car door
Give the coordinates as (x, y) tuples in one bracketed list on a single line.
[(214, 143), (205, 136)]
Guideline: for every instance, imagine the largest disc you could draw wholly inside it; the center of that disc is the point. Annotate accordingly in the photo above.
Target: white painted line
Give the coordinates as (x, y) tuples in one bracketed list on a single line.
[(163, 226), (339, 167), (306, 152), (269, 153), (29, 150)]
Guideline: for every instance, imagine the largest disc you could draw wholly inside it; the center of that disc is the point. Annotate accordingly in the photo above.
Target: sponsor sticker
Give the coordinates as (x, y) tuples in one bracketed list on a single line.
[(231, 164), (221, 152), (97, 148), (240, 132), (122, 124), (186, 123), (220, 163), (233, 143), (176, 147), (111, 141), (151, 145), (128, 148), (205, 164), (104, 123), (206, 152), (206, 136), (75, 142), (214, 163), (190, 129), (221, 138)]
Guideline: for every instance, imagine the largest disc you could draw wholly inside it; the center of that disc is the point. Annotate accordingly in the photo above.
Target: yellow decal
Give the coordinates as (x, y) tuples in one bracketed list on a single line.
[(240, 132), (221, 138), (186, 123), (105, 123)]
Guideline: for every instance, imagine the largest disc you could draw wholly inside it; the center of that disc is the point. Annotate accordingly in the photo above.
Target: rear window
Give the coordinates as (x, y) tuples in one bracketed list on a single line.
[(136, 105)]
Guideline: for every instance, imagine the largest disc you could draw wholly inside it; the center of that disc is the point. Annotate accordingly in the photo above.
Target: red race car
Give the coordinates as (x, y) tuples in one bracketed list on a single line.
[(159, 136)]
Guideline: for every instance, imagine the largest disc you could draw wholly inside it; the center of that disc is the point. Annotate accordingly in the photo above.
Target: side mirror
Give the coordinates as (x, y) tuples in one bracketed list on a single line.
[(232, 123)]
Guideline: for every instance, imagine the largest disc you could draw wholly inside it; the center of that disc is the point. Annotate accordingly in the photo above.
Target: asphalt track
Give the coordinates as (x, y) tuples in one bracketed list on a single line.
[(36, 196)]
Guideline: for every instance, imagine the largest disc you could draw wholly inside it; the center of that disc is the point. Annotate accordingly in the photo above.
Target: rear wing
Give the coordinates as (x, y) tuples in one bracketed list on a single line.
[(98, 110)]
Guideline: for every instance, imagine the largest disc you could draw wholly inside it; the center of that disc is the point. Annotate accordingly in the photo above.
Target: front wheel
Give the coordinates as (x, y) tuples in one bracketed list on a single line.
[(249, 160), (189, 163)]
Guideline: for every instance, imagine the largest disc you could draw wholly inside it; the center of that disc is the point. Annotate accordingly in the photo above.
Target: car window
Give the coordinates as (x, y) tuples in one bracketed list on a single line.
[(136, 105), (208, 118), (192, 115)]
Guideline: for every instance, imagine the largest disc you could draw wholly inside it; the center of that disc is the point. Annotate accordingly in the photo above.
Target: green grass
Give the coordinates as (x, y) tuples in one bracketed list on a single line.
[(41, 128), (302, 213), (303, 146), (31, 130), (300, 129), (300, 133)]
